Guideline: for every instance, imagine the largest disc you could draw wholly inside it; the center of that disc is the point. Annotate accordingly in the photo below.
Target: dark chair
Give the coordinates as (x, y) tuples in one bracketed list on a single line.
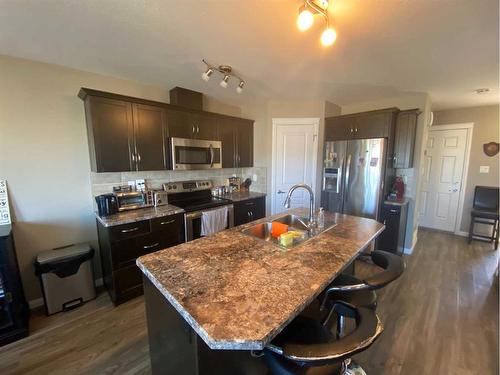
[(485, 211), (359, 292), (307, 346)]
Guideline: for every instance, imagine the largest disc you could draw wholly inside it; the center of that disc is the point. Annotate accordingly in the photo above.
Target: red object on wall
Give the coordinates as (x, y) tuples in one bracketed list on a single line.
[(399, 187)]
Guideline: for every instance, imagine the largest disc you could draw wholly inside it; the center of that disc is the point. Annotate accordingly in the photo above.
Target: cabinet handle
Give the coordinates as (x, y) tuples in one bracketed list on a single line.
[(133, 157), (138, 157), (193, 130), (145, 247), (167, 222), (395, 160), (356, 130), (393, 211), (351, 130), (197, 129), (130, 230), (249, 203), (251, 215)]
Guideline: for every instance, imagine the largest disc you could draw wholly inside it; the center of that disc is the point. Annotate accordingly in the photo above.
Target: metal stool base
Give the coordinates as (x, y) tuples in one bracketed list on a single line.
[(352, 368)]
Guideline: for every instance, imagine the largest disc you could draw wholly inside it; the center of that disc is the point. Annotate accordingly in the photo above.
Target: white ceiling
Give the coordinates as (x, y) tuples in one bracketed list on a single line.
[(384, 48)]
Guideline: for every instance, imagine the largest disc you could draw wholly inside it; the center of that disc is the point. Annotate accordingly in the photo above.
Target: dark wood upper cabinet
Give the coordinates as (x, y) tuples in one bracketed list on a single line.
[(150, 124), (237, 142), (404, 138), (227, 133), (244, 143), (110, 134), (179, 124), (129, 134), (372, 124)]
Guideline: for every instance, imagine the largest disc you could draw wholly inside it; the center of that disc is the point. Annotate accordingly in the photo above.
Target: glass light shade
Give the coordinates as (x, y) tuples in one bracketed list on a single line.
[(305, 19), (223, 83), (328, 37), (239, 89), (206, 75)]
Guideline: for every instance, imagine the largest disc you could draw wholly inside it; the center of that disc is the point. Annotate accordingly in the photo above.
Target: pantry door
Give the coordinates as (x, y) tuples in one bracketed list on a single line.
[(295, 148), (444, 160)]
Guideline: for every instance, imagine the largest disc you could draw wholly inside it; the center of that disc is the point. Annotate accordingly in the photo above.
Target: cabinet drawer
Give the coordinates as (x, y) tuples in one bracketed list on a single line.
[(390, 210), (122, 232), (169, 229), (124, 253)]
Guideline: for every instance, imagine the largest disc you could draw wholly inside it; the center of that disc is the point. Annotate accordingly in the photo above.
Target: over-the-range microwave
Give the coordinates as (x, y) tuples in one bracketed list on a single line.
[(195, 154)]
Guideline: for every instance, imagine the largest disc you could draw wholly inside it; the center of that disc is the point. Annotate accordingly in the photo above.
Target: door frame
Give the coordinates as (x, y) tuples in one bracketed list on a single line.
[(277, 121), (469, 126)]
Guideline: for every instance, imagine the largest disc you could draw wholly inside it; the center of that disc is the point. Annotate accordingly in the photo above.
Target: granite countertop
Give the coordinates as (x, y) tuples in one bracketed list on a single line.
[(132, 216), (397, 202), (239, 196), (238, 292)]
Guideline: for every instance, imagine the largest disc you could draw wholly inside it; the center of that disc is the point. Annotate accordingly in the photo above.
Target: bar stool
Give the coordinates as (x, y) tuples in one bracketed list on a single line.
[(361, 293), (485, 211), (307, 346)]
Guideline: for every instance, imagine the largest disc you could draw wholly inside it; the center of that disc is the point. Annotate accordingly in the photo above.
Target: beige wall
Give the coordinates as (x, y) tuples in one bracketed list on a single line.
[(412, 175), (486, 129), (44, 154)]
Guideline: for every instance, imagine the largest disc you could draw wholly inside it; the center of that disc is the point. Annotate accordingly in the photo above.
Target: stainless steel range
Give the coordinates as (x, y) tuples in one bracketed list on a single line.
[(195, 197)]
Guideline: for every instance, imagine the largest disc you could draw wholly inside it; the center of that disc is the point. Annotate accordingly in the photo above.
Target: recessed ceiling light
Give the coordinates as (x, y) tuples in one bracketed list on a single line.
[(483, 90)]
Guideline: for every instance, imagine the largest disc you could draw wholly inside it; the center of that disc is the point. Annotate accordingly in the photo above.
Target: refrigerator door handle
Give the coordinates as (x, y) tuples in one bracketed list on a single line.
[(348, 166), (340, 176)]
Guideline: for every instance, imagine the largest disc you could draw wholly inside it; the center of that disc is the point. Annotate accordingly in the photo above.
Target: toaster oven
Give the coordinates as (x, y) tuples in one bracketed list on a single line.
[(133, 200)]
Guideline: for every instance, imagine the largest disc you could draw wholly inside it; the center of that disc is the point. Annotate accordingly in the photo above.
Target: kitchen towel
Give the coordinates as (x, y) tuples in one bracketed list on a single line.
[(213, 221)]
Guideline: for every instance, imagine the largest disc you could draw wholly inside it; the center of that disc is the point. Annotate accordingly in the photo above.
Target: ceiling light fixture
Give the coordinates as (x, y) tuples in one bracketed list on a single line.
[(226, 71), (307, 11)]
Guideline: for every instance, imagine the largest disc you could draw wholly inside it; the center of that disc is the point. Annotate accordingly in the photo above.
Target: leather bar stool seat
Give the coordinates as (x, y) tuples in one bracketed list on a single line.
[(360, 292), (308, 347)]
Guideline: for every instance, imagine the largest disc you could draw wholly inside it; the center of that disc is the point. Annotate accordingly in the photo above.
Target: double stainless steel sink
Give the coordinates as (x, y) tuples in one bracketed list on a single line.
[(262, 231)]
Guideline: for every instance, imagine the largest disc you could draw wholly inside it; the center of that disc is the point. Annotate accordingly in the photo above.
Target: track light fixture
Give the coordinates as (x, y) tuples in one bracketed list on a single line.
[(308, 10), (226, 71)]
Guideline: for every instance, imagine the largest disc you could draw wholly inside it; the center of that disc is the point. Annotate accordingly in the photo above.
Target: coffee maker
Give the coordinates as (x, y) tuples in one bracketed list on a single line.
[(107, 204)]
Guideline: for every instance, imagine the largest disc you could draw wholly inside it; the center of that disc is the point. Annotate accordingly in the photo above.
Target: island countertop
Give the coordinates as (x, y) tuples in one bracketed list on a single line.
[(238, 292)]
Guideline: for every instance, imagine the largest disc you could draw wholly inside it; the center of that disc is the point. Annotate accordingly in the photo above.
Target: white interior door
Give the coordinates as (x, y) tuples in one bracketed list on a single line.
[(441, 185), (295, 151)]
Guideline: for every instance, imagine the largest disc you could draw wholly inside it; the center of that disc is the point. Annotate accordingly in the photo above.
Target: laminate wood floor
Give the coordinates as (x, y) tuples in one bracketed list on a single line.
[(440, 317)]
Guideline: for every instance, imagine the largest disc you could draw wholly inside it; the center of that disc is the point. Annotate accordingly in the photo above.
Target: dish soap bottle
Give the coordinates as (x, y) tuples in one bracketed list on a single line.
[(321, 218)]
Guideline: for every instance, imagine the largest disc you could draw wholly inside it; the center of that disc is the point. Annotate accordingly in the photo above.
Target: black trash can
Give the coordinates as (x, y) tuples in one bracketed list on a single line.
[(66, 276)]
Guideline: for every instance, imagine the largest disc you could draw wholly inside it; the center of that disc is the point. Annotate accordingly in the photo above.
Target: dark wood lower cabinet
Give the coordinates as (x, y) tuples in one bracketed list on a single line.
[(121, 245), (249, 210), (394, 217)]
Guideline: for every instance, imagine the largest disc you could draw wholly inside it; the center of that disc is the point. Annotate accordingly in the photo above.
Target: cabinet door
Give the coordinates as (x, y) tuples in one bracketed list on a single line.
[(404, 141), (227, 135), (338, 128), (244, 150), (205, 127), (249, 210), (388, 239), (257, 208), (110, 133), (170, 229), (372, 126), (179, 124), (149, 129)]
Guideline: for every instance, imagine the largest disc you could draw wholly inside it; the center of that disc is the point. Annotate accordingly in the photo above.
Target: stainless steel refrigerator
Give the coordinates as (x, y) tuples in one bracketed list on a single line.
[(353, 176)]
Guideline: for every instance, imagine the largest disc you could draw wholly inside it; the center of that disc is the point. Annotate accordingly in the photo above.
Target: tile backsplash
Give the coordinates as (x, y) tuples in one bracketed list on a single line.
[(103, 182)]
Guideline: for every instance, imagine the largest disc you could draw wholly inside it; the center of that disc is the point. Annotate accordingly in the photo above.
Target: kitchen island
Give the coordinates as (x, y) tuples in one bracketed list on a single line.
[(211, 301)]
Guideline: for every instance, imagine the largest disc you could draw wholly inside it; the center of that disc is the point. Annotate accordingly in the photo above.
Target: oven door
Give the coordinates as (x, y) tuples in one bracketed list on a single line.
[(195, 154), (193, 222)]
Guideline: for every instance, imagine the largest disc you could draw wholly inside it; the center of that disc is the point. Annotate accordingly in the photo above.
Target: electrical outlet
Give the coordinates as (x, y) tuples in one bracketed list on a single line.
[(254, 177), (484, 169)]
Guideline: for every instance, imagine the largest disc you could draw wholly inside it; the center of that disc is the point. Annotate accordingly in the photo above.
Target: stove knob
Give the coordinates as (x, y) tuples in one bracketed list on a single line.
[(169, 187)]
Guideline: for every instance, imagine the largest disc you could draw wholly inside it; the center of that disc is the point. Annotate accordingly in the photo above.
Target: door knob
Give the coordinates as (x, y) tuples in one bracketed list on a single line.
[(281, 192)]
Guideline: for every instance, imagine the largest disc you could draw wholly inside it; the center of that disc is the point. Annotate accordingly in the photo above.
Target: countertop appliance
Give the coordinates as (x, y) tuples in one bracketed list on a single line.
[(134, 199), (353, 176), (160, 198), (107, 204), (195, 197), (195, 154), (14, 310)]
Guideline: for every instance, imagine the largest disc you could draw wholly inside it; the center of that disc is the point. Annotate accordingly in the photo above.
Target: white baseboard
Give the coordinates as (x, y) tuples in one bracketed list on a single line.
[(35, 303), (409, 251), (462, 233)]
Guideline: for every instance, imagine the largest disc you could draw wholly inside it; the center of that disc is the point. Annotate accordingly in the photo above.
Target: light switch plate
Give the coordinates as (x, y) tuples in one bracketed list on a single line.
[(484, 169)]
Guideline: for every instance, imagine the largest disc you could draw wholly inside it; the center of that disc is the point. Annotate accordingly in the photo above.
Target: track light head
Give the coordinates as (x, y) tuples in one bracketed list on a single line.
[(305, 19), (239, 89), (223, 83), (206, 75)]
